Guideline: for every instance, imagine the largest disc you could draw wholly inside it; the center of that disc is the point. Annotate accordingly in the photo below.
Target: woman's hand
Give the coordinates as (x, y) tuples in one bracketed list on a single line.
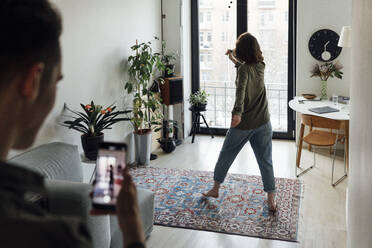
[(230, 53), (235, 120)]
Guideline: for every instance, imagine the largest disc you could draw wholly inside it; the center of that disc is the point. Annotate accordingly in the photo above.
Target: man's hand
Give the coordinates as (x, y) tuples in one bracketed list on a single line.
[(235, 120), (127, 211)]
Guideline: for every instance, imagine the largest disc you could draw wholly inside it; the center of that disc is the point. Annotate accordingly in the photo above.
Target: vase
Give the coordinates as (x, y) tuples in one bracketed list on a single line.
[(91, 145), (323, 90), (143, 147)]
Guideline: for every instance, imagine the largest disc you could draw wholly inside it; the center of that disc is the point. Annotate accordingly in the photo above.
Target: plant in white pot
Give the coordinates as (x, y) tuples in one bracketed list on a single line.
[(146, 104)]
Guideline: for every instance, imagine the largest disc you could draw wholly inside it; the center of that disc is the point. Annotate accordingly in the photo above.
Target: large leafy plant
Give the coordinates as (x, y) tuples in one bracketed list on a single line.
[(94, 119), (146, 105)]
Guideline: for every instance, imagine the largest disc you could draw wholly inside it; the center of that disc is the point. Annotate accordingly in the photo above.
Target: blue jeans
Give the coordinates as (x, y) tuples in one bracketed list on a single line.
[(261, 142)]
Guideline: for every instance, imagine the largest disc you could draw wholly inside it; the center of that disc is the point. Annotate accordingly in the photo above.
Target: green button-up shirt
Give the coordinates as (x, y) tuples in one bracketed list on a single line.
[(250, 99)]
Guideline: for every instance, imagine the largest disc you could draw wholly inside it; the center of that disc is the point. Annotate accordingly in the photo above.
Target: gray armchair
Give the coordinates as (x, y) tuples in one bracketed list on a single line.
[(68, 195)]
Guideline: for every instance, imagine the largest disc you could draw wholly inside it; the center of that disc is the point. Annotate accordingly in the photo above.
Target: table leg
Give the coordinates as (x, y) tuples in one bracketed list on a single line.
[(347, 125), (310, 147), (299, 148)]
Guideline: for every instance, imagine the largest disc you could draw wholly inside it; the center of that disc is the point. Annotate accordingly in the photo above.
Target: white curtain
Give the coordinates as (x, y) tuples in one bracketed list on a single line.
[(359, 221)]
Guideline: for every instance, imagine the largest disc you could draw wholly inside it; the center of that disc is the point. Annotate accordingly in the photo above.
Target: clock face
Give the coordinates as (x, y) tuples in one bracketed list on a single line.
[(323, 45)]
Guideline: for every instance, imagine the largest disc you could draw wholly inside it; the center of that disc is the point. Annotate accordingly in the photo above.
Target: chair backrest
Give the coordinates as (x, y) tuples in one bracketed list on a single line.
[(321, 122)]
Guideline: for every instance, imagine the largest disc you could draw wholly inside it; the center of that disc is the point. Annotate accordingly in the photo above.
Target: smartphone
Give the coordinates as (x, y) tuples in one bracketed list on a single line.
[(110, 164)]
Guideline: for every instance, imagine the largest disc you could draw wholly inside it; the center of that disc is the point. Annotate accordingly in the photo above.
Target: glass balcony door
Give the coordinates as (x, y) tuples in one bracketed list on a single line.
[(218, 25)]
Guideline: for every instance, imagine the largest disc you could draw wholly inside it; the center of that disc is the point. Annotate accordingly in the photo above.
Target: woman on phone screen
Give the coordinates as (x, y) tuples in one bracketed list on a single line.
[(250, 118)]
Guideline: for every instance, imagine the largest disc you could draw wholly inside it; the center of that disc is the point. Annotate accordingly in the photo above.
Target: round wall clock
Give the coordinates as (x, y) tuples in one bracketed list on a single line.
[(323, 45)]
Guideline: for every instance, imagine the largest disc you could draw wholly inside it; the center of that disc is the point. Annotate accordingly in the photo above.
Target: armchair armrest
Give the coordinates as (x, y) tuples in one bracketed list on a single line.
[(72, 199)]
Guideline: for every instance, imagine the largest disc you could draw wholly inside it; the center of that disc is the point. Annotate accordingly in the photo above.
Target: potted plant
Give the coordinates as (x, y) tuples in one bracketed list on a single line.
[(168, 59), (91, 123), (198, 100), (324, 72), (146, 105), (167, 142)]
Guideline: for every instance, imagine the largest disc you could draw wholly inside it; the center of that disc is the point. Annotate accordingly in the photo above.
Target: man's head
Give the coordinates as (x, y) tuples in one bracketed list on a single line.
[(30, 65)]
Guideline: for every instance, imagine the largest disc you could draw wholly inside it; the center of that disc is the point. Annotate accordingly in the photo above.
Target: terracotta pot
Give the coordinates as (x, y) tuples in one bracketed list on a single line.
[(91, 145)]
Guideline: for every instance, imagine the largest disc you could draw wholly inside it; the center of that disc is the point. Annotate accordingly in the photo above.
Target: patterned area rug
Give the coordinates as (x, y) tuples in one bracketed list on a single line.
[(240, 209)]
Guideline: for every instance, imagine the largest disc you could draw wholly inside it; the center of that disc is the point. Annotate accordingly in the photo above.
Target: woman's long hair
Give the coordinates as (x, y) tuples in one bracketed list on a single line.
[(247, 49)]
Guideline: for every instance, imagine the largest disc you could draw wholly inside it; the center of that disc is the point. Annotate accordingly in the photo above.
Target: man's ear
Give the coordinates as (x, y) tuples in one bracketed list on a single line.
[(31, 84)]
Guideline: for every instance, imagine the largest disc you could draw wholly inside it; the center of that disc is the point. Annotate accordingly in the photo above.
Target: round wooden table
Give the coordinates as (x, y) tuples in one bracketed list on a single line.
[(301, 105)]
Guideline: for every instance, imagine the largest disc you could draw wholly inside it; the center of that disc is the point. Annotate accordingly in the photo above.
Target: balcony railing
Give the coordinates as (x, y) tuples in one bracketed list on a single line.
[(222, 97)]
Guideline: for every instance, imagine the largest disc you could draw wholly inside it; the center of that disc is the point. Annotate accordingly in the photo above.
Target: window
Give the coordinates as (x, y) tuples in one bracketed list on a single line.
[(226, 16), (271, 17), (209, 57), (209, 16), (223, 36), (201, 57), (262, 20), (201, 17), (209, 36), (272, 23), (206, 76)]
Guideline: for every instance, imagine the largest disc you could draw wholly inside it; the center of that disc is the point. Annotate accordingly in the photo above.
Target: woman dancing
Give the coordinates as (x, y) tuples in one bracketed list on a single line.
[(250, 118)]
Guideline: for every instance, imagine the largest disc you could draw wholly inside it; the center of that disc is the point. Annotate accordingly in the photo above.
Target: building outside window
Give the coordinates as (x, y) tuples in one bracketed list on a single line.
[(271, 17), (210, 59), (226, 16), (209, 36), (223, 36), (209, 16), (206, 76), (262, 20), (201, 57)]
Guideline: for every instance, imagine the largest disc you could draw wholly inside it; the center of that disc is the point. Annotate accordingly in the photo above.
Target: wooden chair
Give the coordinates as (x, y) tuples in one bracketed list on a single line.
[(321, 138)]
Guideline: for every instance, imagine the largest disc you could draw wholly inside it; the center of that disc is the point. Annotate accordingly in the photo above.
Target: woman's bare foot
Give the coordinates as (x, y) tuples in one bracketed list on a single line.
[(213, 192), (271, 201)]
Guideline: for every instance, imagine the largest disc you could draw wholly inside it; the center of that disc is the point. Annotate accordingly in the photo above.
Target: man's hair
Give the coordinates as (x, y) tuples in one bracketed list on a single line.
[(248, 50), (29, 34)]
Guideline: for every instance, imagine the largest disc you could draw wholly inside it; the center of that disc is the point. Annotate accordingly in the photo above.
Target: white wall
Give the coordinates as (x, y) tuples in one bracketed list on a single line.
[(177, 34), (186, 62), (312, 16), (97, 37), (359, 221)]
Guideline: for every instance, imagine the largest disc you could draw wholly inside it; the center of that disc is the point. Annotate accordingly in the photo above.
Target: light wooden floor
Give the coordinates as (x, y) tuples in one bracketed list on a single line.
[(322, 220)]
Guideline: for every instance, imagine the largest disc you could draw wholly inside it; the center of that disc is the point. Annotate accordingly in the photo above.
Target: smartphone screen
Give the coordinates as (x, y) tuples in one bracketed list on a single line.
[(109, 174)]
